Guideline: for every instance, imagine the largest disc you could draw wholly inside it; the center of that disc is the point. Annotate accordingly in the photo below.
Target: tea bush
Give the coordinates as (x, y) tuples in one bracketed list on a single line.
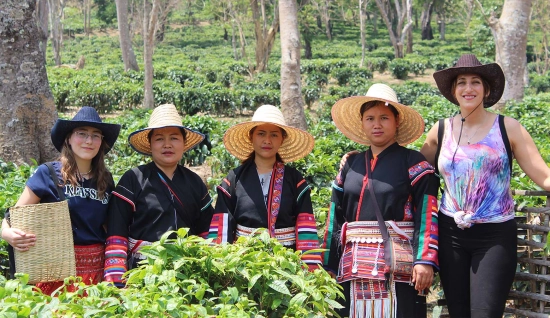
[(190, 277)]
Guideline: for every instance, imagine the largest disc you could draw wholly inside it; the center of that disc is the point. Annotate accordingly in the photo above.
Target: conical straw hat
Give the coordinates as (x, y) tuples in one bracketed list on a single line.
[(347, 117), (297, 144), (163, 116)]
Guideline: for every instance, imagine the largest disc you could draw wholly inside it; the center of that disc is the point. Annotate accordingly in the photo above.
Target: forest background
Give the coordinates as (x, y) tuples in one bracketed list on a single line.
[(217, 61)]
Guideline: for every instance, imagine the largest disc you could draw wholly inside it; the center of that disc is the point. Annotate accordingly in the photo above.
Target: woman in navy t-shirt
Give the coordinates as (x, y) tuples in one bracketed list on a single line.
[(86, 184)]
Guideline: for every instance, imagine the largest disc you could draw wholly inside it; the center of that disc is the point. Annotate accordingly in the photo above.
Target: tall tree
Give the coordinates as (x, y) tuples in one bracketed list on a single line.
[(26, 102), (42, 16), (56, 16), (150, 17), (265, 35), (324, 9), (398, 20), (128, 56), (426, 20), (292, 103), (362, 14), (87, 13), (541, 21), (510, 33), (308, 29), (236, 22), (152, 14)]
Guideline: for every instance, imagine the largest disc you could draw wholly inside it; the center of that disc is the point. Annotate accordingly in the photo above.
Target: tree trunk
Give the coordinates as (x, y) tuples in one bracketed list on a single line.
[(43, 16), (264, 37), (26, 102), (128, 56), (86, 16), (541, 20), (362, 26), (403, 12), (374, 23), (441, 22), (149, 29), (234, 42), (426, 20), (292, 103), (326, 17), (510, 33), (242, 39), (56, 14), (409, 41)]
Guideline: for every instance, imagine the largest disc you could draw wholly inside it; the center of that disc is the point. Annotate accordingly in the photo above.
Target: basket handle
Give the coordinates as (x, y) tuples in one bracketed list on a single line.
[(53, 174)]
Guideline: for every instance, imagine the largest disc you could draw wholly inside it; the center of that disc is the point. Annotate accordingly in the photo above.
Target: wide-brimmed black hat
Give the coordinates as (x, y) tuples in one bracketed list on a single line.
[(86, 116), (468, 63)]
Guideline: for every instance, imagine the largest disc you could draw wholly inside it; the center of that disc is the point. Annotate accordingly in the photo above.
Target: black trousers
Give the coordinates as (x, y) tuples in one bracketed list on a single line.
[(409, 304), (477, 267)]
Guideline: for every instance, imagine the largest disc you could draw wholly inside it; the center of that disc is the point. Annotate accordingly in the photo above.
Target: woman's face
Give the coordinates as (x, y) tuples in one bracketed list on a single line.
[(266, 140), (85, 142), (469, 90), (167, 146), (380, 125)]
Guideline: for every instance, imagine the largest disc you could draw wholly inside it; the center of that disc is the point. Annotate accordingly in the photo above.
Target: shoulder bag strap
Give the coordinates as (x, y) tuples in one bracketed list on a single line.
[(506, 141), (53, 174), (379, 217), (440, 133)]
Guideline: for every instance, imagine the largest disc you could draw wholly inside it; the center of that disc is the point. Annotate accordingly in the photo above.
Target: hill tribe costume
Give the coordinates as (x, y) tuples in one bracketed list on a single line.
[(383, 215), (278, 201), (146, 203), (87, 210), (478, 233)]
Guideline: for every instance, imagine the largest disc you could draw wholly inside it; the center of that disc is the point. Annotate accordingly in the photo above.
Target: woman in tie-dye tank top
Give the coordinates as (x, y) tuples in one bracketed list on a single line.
[(477, 230)]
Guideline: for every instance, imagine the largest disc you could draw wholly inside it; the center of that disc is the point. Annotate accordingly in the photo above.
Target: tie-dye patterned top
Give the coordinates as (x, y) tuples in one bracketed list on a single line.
[(479, 180)]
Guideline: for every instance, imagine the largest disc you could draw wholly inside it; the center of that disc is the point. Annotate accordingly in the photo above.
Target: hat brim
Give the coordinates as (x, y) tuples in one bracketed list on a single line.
[(297, 144), (63, 127), (139, 140), (492, 73), (347, 118)]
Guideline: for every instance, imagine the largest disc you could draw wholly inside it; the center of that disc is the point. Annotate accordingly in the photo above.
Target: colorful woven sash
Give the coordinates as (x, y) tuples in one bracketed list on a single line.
[(286, 236)]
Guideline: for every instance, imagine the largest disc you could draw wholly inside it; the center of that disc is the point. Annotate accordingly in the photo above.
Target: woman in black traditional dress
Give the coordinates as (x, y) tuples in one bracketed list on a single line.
[(263, 192), (405, 188), (157, 197)]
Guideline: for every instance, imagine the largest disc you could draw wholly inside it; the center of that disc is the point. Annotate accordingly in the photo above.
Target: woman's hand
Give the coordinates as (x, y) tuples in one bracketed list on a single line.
[(345, 158), (18, 239), (423, 276)]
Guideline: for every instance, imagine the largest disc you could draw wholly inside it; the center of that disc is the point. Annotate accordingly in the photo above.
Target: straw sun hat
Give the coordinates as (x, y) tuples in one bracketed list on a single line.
[(163, 116), (297, 144), (347, 117), (468, 63)]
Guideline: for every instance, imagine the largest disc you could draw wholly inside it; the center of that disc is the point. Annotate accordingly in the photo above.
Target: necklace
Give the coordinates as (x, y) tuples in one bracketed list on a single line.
[(475, 132), (85, 174)]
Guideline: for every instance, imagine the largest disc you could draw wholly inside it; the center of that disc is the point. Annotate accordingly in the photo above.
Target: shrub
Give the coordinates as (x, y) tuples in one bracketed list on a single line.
[(540, 83), (408, 92), (343, 75), (191, 277), (399, 68)]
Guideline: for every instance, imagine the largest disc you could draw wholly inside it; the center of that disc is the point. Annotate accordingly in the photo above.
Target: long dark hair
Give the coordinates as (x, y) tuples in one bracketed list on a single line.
[(70, 173)]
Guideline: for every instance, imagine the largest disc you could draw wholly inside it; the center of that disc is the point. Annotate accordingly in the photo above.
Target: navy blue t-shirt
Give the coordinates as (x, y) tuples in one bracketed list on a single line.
[(88, 211)]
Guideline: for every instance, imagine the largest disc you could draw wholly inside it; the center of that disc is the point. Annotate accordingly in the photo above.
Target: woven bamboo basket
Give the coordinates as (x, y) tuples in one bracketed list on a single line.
[(52, 257)]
